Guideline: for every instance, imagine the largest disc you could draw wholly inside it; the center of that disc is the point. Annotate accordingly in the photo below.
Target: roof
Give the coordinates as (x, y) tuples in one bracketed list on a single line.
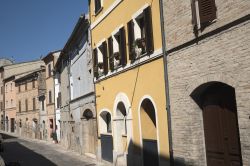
[(23, 76)]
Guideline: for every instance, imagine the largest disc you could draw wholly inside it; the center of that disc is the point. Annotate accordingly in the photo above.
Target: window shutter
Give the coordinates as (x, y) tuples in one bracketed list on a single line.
[(111, 52), (207, 10), (131, 39), (105, 57), (148, 30), (95, 58), (122, 46)]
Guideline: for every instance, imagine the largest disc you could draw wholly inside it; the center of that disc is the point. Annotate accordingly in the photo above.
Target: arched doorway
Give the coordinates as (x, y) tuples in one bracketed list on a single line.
[(89, 132), (105, 122), (218, 103), (149, 133), (120, 134)]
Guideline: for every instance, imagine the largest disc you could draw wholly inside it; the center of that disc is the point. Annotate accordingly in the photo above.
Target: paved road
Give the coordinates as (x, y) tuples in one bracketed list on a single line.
[(40, 153)]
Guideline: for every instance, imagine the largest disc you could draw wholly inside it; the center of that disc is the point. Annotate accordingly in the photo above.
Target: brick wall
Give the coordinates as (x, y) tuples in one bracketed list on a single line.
[(221, 56)]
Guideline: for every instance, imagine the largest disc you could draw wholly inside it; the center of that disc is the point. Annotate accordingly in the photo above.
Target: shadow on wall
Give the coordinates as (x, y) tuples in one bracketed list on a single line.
[(4, 136), (151, 157), (17, 154)]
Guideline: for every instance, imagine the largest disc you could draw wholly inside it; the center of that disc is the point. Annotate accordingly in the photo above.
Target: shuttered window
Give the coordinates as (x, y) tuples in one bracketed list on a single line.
[(122, 47), (131, 39), (50, 97), (34, 104), (105, 57), (95, 64), (148, 30), (20, 106), (207, 10), (26, 104), (97, 6), (111, 53)]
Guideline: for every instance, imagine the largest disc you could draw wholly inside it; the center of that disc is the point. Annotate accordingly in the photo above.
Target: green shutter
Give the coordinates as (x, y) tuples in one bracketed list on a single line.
[(148, 30)]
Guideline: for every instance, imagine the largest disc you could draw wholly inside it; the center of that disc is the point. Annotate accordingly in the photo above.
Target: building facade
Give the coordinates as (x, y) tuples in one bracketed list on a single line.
[(27, 98), (78, 131), (207, 42), (49, 114), (129, 82)]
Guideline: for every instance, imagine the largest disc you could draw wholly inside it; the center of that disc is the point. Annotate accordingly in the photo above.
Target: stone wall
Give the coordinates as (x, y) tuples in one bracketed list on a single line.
[(221, 54)]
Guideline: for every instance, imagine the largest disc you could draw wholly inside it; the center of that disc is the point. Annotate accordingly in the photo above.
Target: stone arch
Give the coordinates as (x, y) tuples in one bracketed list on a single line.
[(105, 121), (149, 133), (217, 77), (122, 121)]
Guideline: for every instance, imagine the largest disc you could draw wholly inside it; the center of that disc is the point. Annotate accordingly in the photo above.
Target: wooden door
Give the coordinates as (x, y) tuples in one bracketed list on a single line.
[(221, 135), (12, 125)]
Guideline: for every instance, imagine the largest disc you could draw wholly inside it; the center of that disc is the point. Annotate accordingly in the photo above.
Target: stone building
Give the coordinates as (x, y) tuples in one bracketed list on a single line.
[(207, 46), (129, 82), (28, 107), (3, 62), (48, 115), (78, 127)]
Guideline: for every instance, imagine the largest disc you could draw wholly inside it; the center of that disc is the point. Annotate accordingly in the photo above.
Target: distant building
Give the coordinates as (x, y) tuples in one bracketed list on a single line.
[(76, 96), (28, 107), (48, 115)]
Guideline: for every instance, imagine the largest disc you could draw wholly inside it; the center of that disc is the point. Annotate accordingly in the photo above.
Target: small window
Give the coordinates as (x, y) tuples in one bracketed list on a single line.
[(26, 104), (26, 86), (34, 104), (19, 88), (49, 70), (50, 97), (33, 84), (20, 106), (98, 6)]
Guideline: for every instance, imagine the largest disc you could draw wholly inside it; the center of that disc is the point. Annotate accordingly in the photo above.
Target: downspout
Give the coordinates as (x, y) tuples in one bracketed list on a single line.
[(168, 108)]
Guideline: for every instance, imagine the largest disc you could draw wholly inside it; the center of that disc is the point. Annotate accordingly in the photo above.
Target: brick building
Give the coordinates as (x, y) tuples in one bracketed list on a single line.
[(207, 44), (28, 107)]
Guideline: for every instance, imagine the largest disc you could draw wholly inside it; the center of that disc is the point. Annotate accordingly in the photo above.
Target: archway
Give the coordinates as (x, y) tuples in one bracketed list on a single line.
[(89, 132), (149, 133), (218, 104), (105, 127)]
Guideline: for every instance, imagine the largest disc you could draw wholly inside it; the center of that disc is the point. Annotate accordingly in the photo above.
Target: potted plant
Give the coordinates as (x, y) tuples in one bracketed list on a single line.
[(139, 46), (100, 68), (117, 59)]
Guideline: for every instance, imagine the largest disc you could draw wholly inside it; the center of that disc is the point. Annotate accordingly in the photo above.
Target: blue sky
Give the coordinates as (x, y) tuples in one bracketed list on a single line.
[(31, 28)]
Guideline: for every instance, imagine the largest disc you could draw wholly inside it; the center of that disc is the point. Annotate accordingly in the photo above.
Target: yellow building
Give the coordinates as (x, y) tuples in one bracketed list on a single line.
[(129, 82)]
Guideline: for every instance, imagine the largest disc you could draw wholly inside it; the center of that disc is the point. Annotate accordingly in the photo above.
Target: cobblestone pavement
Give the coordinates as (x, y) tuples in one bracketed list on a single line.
[(30, 152)]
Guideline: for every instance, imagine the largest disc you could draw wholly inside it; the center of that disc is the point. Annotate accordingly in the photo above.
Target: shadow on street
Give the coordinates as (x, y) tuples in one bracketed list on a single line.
[(15, 152)]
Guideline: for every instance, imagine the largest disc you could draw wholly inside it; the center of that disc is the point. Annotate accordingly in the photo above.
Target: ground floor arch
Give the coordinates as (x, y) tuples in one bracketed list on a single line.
[(219, 109)]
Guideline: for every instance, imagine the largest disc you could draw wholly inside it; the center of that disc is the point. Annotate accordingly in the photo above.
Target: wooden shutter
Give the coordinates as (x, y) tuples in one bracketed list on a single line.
[(122, 46), (105, 57), (95, 60), (131, 39), (148, 30), (111, 53), (207, 10)]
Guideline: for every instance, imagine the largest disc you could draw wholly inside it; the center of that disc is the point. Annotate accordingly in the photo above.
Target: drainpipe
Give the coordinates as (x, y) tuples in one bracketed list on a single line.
[(164, 51)]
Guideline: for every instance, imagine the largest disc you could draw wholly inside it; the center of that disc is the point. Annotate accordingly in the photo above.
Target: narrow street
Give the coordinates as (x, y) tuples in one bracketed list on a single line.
[(40, 153)]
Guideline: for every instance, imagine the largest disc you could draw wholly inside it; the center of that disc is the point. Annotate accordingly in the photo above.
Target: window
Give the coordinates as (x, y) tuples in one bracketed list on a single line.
[(26, 85), (49, 70), (19, 88), (108, 118), (43, 105), (98, 6), (59, 100), (26, 105), (20, 106), (34, 104), (140, 35), (33, 84), (50, 97), (203, 13), (101, 60)]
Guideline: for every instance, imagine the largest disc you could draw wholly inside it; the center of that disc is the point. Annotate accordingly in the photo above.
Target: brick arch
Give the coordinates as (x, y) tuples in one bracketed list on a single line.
[(217, 77)]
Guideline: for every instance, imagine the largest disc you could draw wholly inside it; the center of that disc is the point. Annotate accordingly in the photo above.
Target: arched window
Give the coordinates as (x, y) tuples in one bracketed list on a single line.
[(105, 122)]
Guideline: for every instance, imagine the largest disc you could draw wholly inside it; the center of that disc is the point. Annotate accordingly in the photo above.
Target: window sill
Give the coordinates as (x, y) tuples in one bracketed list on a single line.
[(98, 11)]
